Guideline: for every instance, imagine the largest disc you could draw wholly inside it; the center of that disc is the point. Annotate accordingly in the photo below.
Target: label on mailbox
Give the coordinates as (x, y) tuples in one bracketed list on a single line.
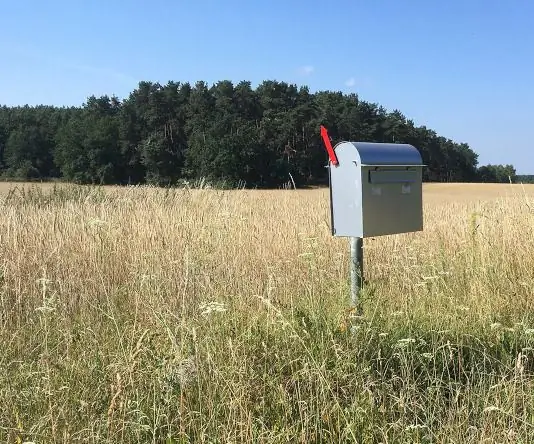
[(406, 189), (376, 191)]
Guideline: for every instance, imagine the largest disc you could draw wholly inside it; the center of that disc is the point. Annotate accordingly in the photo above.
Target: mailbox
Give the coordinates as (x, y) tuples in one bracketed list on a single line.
[(375, 189)]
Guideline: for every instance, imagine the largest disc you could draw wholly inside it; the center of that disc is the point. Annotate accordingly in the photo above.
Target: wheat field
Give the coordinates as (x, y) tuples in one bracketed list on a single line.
[(197, 315)]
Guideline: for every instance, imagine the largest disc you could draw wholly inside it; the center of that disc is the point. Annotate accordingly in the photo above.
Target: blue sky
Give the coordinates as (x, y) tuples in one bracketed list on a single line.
[(463, 68)]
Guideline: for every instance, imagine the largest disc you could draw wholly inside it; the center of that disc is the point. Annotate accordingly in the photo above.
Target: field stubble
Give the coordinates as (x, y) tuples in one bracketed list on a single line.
[(151, 315)]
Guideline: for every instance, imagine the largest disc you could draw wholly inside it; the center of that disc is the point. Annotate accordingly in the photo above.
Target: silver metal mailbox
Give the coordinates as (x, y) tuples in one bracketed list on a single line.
[(376, 189)]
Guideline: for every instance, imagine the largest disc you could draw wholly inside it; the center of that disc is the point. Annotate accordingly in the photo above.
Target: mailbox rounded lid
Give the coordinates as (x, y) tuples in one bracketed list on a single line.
[(374, 153)]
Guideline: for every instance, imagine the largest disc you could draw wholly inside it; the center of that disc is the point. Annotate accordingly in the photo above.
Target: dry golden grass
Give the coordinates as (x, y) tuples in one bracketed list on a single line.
[(146, 315), (6, 187)]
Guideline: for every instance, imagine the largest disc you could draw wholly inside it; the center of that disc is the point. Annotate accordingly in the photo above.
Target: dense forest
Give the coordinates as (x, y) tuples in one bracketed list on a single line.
[(230, 133), (525, 178)]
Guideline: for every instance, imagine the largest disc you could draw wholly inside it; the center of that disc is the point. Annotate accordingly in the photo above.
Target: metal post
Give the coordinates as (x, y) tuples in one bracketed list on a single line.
[(356, 268)]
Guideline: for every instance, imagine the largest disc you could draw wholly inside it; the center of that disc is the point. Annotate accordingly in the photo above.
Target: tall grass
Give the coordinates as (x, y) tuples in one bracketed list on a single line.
[(173, 316)]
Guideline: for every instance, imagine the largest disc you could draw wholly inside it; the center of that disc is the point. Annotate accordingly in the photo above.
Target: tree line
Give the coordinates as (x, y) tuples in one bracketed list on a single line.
[(525, 178), (226, 132)]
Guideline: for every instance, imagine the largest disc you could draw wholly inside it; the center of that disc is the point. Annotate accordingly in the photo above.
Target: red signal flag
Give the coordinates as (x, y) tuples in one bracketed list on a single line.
[(328, 145)]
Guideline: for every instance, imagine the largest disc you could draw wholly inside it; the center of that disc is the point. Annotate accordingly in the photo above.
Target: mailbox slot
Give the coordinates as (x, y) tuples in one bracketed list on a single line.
[(393, 176)]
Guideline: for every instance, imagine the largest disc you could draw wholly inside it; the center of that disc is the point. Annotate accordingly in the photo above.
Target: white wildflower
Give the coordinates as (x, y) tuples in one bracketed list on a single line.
[(407, 340), (404, 342), (186, 371), (212, 307), (176, 371), (415, 427)]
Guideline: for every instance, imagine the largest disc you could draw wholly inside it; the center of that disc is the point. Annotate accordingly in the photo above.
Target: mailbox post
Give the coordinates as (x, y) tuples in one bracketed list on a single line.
[(375, 190)]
